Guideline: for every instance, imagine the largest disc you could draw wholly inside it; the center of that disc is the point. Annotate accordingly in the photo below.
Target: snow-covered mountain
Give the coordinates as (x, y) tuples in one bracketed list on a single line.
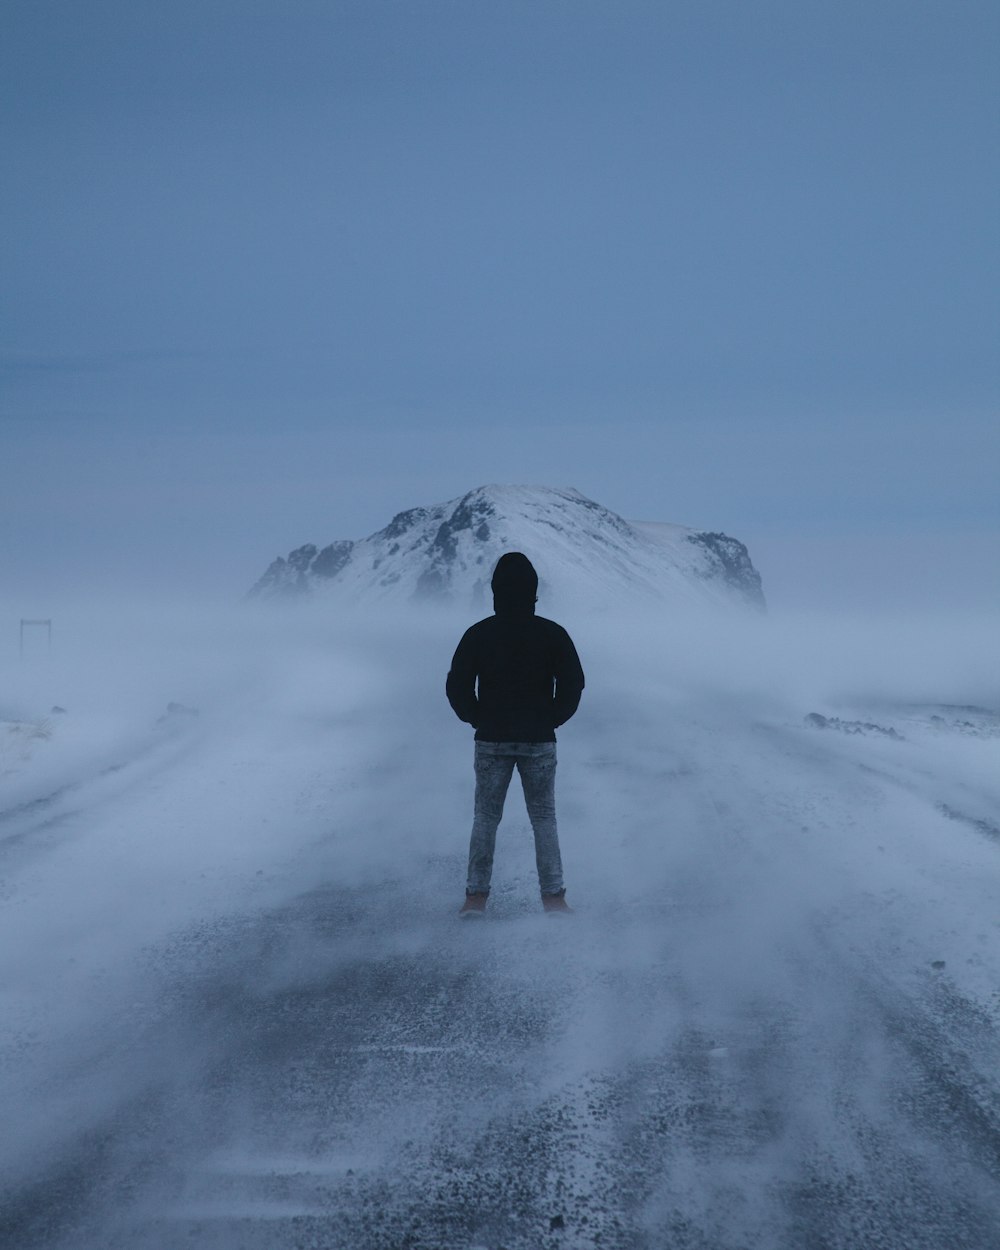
[(584, 553)]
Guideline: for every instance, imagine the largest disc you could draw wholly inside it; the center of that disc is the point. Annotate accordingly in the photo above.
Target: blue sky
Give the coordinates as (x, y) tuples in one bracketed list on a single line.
[(274, 271)]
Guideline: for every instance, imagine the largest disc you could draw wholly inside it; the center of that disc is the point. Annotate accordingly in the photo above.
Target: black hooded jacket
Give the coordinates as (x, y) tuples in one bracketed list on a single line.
[(515, 677)]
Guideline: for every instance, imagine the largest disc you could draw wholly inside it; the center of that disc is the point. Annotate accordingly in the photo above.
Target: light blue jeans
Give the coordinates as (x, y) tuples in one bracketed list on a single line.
[(495, 763)]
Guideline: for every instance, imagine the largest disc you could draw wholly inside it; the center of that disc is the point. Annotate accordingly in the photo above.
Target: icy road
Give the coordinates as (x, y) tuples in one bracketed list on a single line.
[(239, 1012)]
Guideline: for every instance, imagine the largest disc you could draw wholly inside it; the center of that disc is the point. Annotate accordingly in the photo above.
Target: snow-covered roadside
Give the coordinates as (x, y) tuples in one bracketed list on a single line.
[(133, 823)]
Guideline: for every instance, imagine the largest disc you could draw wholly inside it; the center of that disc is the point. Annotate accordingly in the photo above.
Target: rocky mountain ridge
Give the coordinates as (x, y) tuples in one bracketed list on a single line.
[(584, 553)]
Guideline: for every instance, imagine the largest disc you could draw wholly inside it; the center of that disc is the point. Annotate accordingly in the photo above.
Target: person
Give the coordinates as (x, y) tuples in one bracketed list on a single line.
[(515, 677)]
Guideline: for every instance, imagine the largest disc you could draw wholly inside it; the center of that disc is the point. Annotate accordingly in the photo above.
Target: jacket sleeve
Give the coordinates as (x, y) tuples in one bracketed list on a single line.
[(461, 684), (569, 681)]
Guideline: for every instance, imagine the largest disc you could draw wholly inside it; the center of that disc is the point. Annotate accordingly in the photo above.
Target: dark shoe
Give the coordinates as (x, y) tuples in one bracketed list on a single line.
[(474, 905), (556, 902)]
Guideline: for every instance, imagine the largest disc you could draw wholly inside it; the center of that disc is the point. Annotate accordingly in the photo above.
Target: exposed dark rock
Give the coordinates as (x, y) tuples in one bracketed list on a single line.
[(730, 558), (177, 712), (404, 521), (851, 726), (977, 722), (469, 516), (332, 559), (276, 580), (301, 558), (291, 576)]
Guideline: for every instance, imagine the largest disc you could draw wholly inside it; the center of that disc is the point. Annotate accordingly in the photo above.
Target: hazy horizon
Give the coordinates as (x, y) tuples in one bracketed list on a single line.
[(897, 569)]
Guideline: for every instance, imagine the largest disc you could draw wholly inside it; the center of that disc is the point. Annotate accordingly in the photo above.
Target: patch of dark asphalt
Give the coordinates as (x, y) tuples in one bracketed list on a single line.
[(362, 1076)]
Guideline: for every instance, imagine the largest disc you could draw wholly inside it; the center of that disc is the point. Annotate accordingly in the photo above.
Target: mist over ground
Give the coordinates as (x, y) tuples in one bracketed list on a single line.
[(241, 1011)]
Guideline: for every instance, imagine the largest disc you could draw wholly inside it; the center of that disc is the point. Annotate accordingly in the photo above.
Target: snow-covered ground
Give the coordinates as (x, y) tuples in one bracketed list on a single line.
[(239, 1009)]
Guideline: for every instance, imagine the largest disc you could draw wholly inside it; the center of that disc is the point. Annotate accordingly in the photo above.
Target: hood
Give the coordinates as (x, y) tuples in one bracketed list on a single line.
[(515, 585)]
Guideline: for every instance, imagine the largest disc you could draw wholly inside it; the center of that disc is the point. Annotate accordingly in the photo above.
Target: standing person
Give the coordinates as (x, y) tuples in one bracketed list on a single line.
[(515, 677)]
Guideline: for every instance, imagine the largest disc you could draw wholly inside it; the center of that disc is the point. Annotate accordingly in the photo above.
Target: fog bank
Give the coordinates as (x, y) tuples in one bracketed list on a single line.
[(241, 1010)]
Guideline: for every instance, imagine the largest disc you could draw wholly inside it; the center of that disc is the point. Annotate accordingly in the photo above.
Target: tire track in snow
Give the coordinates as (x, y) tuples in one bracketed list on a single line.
[(28, 828)]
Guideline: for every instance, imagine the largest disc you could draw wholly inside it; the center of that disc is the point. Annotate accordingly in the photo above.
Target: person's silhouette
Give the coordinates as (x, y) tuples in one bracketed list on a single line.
[(515, 677)]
